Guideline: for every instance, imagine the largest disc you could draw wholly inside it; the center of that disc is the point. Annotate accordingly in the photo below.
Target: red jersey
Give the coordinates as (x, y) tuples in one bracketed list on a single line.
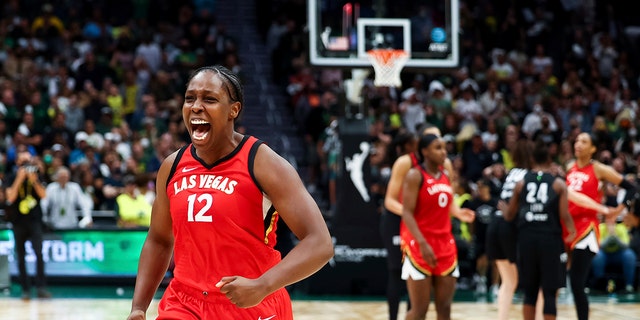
[(432, 216), (583, 180), (414, 159), (223, 223)]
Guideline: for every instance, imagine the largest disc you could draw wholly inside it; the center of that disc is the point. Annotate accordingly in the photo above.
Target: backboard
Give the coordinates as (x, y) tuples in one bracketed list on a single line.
[(342, 31)]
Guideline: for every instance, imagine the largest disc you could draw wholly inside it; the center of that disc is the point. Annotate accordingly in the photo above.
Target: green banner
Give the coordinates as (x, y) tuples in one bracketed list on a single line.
[(83, 252)]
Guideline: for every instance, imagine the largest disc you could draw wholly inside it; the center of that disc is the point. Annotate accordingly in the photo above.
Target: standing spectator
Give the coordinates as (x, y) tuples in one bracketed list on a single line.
[(540, 60), (94, 139), (150, 52), (438, 103), (63, 201), (491, 100), (606, 54), (31, 132), (412, 110), (74, 115), (501, 68), (91, 71), (467, 107), (24, 192), (533, 121), (476, 157)]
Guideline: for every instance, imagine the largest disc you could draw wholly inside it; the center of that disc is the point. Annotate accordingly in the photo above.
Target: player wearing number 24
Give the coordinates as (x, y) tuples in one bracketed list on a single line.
[(218, 202)]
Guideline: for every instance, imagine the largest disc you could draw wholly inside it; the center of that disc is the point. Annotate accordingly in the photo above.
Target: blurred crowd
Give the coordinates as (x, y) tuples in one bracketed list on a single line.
[(96, 87)]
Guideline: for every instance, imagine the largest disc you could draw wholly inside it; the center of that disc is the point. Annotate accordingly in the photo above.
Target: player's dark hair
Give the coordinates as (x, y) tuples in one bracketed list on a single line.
[(424, 142), (521, 154), (540, 152), (399, 144), (594, 140), (230, 80)]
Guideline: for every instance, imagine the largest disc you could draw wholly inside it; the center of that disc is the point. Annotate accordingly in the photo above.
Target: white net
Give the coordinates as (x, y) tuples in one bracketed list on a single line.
[(387, 64)]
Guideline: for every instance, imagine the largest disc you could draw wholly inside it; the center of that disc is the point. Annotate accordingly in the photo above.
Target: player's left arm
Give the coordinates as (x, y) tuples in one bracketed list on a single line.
[(282, 184), (609, 174)]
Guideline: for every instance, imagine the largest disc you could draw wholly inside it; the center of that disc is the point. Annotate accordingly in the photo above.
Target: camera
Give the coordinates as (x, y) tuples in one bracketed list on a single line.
[(30, 168)]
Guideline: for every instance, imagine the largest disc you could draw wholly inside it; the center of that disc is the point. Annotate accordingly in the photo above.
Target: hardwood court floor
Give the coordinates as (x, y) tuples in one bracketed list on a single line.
[(107, 309)]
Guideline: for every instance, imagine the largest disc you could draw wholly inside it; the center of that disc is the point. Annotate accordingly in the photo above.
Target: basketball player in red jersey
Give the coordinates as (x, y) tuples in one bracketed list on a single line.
[(218, 201), (430, 254), (584, 176), (399, 169), (391, 217)]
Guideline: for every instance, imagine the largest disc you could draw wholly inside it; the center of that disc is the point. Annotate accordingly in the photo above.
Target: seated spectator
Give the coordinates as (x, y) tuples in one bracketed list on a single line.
[(614, 250), (132, 208), (63, 201)]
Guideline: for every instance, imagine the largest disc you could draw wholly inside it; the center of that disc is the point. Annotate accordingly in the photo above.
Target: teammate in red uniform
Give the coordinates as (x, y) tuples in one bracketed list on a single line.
[(218, 201), (584, 177), (430, 254), (391, 217)]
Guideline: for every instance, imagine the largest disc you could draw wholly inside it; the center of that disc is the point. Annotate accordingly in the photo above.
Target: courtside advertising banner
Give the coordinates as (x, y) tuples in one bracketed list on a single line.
[(77, 253)]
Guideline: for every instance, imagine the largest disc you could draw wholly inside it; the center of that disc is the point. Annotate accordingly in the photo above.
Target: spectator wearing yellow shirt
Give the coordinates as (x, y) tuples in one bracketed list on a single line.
[(115, 101), (132, 208)]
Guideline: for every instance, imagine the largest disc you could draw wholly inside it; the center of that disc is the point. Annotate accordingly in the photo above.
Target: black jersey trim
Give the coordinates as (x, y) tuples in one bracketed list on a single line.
[(251, 162), (268, 224), (223, 159), (174, 166)]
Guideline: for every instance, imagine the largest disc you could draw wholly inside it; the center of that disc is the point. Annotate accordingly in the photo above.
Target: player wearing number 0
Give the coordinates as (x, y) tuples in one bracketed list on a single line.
[(538, 203), (429, 249), (218, 201), (584, 177)]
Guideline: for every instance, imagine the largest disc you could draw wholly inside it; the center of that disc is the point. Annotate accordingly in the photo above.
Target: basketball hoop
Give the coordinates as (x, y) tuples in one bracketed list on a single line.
[(387, 64)]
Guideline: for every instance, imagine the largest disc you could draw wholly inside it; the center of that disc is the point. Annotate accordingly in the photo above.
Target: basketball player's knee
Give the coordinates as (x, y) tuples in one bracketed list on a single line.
[(420, 311), (443, 307)]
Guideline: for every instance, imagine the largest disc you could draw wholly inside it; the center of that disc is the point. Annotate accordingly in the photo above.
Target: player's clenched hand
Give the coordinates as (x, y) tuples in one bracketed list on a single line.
[(241, 291), (137, 315)]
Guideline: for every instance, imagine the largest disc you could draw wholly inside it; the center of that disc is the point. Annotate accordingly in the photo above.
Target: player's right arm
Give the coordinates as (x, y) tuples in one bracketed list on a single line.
[(563, 208), (410, 192), (398, 171), (157, 249)]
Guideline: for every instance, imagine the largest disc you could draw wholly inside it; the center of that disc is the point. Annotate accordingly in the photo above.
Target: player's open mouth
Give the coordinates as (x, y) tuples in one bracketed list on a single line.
[(199, 129)]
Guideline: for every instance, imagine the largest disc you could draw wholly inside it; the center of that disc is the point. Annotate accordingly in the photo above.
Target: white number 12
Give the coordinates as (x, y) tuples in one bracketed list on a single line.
[(201, 215)]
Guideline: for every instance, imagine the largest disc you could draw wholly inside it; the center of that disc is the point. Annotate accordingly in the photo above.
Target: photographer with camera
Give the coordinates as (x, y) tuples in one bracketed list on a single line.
[(23, 194)]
